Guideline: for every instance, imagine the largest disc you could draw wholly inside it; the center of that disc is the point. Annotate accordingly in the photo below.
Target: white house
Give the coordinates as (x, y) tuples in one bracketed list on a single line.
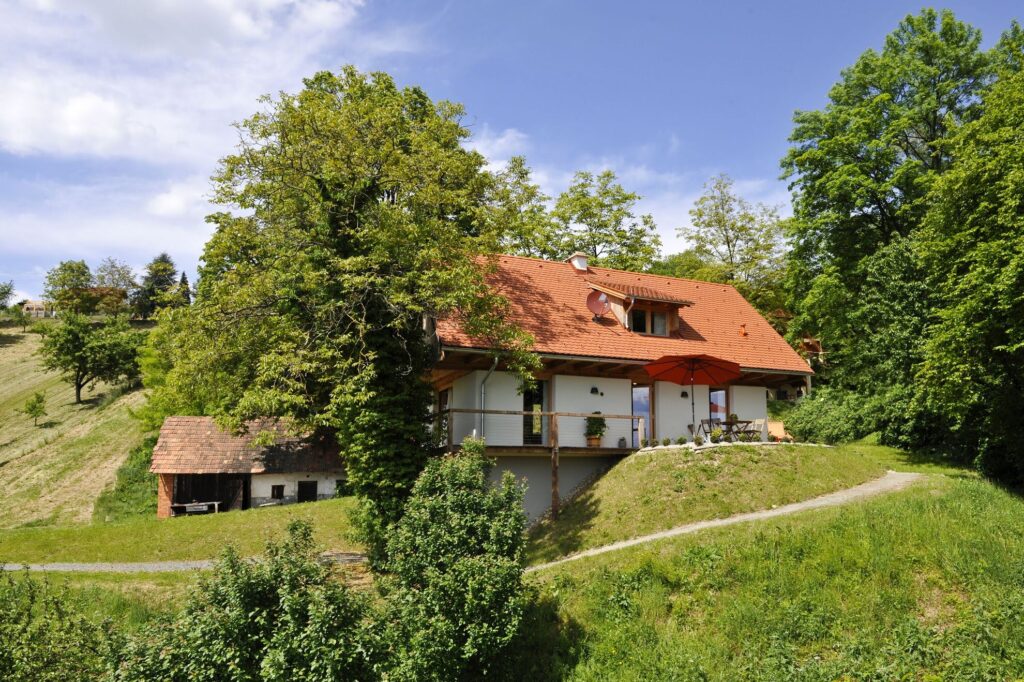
[(595, 329)]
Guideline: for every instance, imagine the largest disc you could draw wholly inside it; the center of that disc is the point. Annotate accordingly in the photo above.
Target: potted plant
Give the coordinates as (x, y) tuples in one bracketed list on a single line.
[(594, 431), (716, 435)]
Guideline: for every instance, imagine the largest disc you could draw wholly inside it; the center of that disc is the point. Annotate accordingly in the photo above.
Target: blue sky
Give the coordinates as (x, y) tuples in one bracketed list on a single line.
[(114, 114)]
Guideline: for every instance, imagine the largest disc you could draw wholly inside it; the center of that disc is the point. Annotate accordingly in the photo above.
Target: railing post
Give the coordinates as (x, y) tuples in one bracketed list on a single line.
[(553, 430), (450, 428)]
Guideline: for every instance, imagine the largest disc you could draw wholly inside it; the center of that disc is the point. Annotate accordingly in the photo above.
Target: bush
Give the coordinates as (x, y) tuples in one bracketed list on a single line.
[(831, 415), (643, 442), (698, 440), (41, 636), (666, 441), (681, 440), (282, 618), (456, 598), (716, 435)]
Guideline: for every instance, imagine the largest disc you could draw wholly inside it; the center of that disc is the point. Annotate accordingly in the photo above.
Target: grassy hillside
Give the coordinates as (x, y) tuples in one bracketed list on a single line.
[(653, 491), (195, 537), (924, 584), (54, 472)]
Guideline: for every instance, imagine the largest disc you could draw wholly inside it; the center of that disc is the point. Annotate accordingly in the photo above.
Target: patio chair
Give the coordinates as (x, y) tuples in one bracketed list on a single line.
[(757, 427), (707, 426)]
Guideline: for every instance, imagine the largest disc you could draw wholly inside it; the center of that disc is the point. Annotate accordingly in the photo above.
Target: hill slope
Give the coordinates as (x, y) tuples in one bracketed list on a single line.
[(657, 490), (53, 473)]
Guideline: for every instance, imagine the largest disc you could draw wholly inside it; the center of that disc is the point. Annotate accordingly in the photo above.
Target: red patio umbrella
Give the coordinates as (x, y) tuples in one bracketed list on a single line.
[(693, 369)]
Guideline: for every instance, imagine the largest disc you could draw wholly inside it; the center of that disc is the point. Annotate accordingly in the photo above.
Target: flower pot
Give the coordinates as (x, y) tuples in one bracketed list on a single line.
[(593, 441)]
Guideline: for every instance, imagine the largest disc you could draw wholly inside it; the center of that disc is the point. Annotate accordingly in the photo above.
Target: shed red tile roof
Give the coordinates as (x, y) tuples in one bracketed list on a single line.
[(196, 445), (548, 300)]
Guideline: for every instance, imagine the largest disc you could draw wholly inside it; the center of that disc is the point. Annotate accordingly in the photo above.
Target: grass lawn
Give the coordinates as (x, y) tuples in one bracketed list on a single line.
[(54, 472), (926, 584), (653, 491), (195, 537)]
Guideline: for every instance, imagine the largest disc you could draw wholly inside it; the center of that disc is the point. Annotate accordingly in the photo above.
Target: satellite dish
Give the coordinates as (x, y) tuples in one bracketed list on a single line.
[(597, 302)]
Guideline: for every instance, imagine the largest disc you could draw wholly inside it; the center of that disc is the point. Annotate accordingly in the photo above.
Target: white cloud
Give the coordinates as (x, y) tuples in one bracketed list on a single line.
[(498, 147), (150, 88)]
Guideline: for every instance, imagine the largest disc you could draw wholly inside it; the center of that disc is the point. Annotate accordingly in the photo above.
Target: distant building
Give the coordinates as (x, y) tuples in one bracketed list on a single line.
[(36, 309), (204, 469)]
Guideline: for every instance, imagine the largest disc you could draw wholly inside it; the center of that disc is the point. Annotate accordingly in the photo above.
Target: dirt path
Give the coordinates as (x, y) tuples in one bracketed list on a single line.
[(891, 482), (156, 566)]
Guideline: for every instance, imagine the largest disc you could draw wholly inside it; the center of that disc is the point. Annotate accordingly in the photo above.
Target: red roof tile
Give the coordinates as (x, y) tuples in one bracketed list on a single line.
[(196, 445), (548, 300)]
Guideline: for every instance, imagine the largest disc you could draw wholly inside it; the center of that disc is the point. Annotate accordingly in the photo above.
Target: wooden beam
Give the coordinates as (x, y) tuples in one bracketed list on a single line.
[(553, 432)]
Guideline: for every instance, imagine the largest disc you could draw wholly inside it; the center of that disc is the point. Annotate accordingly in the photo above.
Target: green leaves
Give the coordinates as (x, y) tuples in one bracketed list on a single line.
[(86, 352)]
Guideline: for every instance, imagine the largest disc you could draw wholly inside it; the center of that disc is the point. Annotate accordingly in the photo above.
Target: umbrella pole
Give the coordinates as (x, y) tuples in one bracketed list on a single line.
[(693, 410)]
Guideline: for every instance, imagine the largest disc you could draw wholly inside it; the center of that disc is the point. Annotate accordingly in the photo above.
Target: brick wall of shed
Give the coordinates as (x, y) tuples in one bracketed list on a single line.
[(164, 493)]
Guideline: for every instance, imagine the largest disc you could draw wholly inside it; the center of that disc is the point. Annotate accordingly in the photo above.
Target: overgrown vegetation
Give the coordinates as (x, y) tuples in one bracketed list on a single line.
[(133, 493), (906, 244), (451, 608)]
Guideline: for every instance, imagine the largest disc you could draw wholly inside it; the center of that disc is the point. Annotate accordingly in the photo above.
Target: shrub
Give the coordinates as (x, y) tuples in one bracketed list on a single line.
[(666, 441), (42, 638), (716, 435), (832, 415), (698, 440), (456, 597), (681, 440), (643, 442), (281, 618)]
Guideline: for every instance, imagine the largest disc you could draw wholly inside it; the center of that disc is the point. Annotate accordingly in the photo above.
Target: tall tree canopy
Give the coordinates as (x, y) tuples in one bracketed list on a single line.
[(738, 243), (907, 258), (596, 216), (972, 376), (353, 215), (69, 287), (6, 293), (158, 287), (860, 171)]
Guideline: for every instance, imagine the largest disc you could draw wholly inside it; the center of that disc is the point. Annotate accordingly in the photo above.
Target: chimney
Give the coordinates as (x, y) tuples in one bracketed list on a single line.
[(578, 261)]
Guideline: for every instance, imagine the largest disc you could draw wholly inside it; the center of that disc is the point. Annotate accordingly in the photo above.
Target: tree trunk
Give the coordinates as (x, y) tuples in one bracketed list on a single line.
[(78, 392)]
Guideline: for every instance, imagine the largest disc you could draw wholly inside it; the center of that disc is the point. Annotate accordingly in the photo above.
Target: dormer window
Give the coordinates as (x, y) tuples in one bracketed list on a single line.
[(643, 321)]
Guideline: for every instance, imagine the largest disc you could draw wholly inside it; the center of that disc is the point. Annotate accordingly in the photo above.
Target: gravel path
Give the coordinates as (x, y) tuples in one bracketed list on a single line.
[(890, 482), (156, 566)]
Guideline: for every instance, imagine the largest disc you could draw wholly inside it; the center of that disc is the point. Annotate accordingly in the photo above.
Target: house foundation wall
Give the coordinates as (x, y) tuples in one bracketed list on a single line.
[(536, 471)]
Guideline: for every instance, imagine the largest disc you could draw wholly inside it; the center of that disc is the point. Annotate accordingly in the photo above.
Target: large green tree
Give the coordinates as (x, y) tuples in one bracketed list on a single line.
[(6, 293), (86, 352), (69, 286), (738, 243), (972, 376), (354, 216), (596, 216), (158, 288)]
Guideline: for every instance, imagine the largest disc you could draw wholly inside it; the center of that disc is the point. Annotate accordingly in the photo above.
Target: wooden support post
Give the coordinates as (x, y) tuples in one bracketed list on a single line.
[(450, 423), (553, 430), (640, 433)]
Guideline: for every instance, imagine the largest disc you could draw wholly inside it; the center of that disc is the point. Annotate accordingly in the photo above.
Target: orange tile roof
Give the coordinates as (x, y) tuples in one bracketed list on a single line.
[(196, 445), (548, 300)]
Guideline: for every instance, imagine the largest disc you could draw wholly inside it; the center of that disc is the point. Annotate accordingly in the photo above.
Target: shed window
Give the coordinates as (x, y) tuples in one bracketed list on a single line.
[(277, 492)]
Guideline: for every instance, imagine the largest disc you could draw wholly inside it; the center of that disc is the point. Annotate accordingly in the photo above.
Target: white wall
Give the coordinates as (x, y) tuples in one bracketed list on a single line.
[(673, 413), (750, 402), (325, 487), (502, 393), (572, 394), (465, 394)]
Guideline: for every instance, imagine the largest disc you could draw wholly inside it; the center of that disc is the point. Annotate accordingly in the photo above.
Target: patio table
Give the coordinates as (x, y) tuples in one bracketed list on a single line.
[(736, 426)]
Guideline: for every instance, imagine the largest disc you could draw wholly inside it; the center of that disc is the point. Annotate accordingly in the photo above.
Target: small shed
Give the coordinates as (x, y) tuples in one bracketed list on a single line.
[(203, 469)]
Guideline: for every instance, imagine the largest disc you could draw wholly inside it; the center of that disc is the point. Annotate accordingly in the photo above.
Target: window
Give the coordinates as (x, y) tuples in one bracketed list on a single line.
[(277, 492), (659, 324), (649, 322), (534, 400), (718, 405), (638, 321)]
